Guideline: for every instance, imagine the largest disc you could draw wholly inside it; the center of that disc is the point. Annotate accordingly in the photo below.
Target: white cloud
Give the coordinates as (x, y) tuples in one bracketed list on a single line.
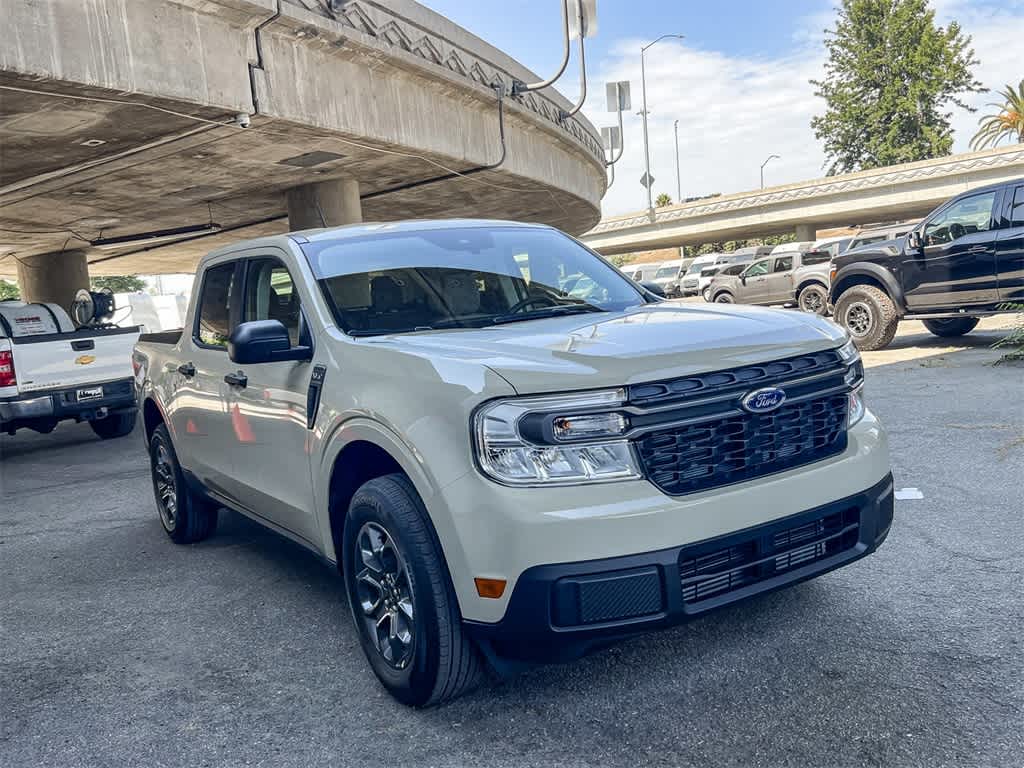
[(734, 111)]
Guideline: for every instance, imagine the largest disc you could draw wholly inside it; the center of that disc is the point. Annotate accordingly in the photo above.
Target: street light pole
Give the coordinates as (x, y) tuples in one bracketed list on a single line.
[(679, 182), (770, 157), (647, 148)]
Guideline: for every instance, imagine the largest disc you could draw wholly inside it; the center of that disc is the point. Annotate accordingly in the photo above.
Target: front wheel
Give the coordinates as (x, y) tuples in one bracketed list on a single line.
[(402, 599), (813, 299), (115, 425), (951, 326), (724, 298), (869, 315), (707, 294)]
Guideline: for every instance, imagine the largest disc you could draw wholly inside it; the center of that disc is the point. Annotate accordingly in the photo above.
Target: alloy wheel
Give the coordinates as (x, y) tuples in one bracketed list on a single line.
[(166, 484), (385, 595), (859, 319), (811, 300)]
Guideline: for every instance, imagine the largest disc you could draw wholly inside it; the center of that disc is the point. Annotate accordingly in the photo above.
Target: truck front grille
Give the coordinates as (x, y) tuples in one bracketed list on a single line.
[(692, 433), (715, 572)]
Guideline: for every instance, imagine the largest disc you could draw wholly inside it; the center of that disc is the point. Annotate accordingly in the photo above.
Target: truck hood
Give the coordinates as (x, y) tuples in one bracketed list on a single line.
[(648, 343)]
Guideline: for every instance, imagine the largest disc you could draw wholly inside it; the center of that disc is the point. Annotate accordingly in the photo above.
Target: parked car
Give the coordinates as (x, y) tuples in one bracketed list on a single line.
[(881, 234), (741, 256), (965, 260), (642, 272), (669, 277), (689, 285), (718, 276), (494, 477), (791, 277), (52, 371)]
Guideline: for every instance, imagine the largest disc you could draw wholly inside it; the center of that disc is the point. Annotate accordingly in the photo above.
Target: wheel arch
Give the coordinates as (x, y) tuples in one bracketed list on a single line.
[(809, 282), (866, 273), (152, 417)]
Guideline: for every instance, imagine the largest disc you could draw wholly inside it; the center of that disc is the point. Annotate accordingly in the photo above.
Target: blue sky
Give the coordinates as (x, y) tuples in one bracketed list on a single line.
[(738, 84)]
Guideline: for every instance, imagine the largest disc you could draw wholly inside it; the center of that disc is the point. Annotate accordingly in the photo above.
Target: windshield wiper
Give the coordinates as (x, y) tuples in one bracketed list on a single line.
[(538, 314)]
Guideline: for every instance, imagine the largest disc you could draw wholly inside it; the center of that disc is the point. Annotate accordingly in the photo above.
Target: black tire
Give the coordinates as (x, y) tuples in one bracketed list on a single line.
[(724, 298), (706, 295), (869, 315), (813, 298), (192, 517), (951, 326), (115, 425), (440, 662)]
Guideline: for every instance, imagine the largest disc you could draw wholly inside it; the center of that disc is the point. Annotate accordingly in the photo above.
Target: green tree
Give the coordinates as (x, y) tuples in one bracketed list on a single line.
[(8, 291), (890, 76), (1007, 123), (120, 283), (662, 200)]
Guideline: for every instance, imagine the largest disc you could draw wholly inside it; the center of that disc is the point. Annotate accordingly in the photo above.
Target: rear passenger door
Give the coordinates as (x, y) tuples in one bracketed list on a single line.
[(779, 282), (197, 402), (753, 286), (1010, 246), (268, 411)]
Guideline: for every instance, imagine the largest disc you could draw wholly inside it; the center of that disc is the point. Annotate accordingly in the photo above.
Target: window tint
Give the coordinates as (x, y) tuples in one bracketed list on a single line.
[(1017, 212), (816, 257), (783, 264), (964, 217), (735, 269), (271, 295), (760, 268), (215, 305)]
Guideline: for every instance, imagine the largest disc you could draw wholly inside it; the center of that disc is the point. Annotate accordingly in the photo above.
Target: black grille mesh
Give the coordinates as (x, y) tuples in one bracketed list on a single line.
[(732, 449)]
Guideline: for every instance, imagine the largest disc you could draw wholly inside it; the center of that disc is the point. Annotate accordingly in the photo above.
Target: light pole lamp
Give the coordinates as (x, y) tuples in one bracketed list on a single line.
[(770, 158), (647, 148)]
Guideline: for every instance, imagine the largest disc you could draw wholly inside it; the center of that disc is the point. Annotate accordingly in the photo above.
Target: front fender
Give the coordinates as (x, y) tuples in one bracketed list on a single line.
[(867, 269)]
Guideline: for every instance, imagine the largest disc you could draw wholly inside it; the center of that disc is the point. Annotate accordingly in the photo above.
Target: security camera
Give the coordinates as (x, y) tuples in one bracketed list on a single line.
[(242, 120)]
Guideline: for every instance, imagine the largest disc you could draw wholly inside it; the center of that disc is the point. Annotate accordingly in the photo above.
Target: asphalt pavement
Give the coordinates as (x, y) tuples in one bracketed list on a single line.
[(119, 648)]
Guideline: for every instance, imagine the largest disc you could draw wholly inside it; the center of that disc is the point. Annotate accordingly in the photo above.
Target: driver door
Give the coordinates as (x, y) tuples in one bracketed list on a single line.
[(753, 287), (956, 266)]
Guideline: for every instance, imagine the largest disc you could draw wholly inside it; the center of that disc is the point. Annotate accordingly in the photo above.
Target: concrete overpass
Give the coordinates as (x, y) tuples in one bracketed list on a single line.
[(884, 194), (118, 118)]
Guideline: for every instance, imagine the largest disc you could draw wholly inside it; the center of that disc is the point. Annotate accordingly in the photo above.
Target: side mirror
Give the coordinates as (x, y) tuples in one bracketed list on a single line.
[(743, 277), (264, 341), (914, 241), (654, 288)]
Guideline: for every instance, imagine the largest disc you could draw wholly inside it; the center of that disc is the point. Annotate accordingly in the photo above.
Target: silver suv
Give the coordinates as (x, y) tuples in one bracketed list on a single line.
[(782, 278)]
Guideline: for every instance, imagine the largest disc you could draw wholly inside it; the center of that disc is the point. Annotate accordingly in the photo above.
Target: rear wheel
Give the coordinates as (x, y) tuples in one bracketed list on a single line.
[(951, 326), (115, 425), (869, 315), (402, 598), (724, 298), (812, 298), (185, 516), (707, 294)]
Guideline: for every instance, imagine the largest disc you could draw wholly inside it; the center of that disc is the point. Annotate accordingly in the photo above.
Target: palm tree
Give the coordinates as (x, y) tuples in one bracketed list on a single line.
[(662, 200), (1007, 123)]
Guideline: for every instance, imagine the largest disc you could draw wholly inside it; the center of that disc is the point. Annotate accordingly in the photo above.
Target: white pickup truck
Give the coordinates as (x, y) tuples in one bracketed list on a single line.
[(51, 371), (504, 465)]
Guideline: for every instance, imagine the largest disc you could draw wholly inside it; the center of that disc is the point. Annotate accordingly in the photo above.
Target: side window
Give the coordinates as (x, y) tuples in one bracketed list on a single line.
[(270, 295), (964, 217), (760, 268), (817, 257), (1017, 211), (783, 264), (214, 321)]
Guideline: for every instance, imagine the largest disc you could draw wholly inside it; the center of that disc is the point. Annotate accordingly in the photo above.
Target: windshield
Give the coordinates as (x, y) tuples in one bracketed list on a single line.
[(666, 272), (695, 268), (462, 277)]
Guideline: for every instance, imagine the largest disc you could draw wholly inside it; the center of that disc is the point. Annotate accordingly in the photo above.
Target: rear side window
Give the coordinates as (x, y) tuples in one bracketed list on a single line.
[(1017, 211), (214, 322), (816, 257), (783, 264)]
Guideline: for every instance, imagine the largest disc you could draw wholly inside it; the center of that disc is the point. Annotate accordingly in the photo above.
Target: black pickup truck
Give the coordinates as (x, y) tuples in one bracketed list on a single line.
[(964, 261)]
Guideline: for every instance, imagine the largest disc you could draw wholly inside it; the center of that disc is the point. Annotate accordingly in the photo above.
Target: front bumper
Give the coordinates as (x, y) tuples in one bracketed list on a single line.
[(560, 612), (60, 404)]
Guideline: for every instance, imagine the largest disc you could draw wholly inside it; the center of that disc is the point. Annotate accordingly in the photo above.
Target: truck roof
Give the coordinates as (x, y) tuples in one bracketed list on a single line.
[(348, 231)]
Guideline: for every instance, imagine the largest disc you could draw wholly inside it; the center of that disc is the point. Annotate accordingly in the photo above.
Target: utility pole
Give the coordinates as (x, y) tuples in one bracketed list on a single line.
[(647, 147), (679, 182), (770, 158)]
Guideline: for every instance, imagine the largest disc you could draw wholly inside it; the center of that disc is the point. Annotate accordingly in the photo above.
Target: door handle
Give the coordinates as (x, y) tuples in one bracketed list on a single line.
[(236, 379), (187, 369), (977, 249)]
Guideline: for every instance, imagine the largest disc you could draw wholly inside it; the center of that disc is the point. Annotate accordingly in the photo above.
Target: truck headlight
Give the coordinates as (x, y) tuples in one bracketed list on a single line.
[(558, 440), (856, 407)]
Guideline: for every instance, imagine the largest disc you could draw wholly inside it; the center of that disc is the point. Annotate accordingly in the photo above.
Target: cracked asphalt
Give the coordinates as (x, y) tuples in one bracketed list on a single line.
[(120, 648)]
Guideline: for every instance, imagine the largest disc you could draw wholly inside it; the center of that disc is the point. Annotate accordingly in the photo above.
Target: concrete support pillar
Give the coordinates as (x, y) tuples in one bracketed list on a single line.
[(325, 204), (806, 232), (54, 277)]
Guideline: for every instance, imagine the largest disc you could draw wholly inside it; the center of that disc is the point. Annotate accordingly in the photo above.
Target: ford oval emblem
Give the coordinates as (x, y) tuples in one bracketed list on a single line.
[(763, 400)]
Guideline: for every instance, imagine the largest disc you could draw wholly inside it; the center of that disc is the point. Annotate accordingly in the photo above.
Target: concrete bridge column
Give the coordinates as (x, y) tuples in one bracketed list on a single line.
[(53, 277), (324, 204), (806, 232)]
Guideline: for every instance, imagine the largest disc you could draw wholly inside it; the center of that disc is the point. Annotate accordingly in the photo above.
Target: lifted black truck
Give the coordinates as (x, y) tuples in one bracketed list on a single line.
[(964, 261)]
